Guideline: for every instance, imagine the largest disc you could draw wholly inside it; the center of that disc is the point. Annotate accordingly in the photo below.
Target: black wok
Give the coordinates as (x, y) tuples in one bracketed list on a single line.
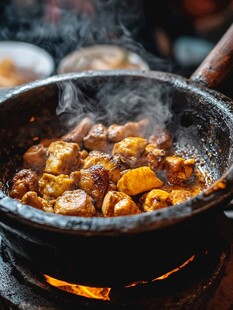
[(119, 250)]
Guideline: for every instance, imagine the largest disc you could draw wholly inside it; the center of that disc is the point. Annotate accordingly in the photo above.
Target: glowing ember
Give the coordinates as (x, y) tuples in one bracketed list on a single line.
[(86, 291), (174, 270), (102, 292), (166, 275), (32, 119)]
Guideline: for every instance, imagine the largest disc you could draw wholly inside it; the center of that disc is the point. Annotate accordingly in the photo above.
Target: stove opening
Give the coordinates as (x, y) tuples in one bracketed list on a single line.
[(103, 293)]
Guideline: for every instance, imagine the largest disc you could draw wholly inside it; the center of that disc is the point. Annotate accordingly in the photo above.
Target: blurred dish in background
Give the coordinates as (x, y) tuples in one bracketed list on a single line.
[(191, 51), (11, 75), (101, 57), (22, 62)]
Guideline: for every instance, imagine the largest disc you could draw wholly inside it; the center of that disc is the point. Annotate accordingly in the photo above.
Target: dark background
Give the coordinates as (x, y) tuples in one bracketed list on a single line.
[(159, 31)]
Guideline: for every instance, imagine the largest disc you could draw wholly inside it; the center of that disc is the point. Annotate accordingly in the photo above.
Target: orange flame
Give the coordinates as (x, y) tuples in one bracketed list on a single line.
[(85, 291), (175, 270), (102, 292), (166, 275)]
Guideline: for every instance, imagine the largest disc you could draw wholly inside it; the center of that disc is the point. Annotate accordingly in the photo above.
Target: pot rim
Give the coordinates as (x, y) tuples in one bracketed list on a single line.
[(220, 193)]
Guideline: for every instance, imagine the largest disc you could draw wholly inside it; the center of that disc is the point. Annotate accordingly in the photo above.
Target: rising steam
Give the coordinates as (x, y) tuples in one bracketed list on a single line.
[(115, 100)]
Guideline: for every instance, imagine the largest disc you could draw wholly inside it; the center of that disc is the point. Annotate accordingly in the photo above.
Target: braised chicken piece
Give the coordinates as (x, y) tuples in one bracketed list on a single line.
[(111, 163), (94, 181), (116, 133), (51, 186), (178, 169), (35, 158), (111, 186), (32, 199), (155, 199), (76, 202), (117, 204), (78, 132), (154, 156), (83, 154), (162, 140), (130, 150), (23, 181), (180, 195), (63, 157), (138, 180), (97, 138)]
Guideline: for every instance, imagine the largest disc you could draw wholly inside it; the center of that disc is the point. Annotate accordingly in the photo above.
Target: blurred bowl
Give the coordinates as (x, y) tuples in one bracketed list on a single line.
[(22, 62), (101, 57)]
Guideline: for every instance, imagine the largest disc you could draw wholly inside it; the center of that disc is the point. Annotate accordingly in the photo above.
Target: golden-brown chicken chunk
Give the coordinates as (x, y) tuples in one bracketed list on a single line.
[(76, 202), (111, 163), (23, 181), (155, 199), (178, 169), (63, 157), (83, 155), (130, 150), (117, 204), (94, 181), (180, 195), (35, 158), (97, 138), (154, 156), (51, 186), (78, 132), (111, 187), (138, 180), (32, 199), (116, 133)]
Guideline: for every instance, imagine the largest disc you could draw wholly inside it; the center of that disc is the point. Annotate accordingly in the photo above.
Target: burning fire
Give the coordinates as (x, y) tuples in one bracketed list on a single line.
[(166, 275), (175, 270), (85, 291), (102, 292)]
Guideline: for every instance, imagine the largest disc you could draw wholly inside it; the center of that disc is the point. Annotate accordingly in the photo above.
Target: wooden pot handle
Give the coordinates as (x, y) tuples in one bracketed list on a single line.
[(218, 63)]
